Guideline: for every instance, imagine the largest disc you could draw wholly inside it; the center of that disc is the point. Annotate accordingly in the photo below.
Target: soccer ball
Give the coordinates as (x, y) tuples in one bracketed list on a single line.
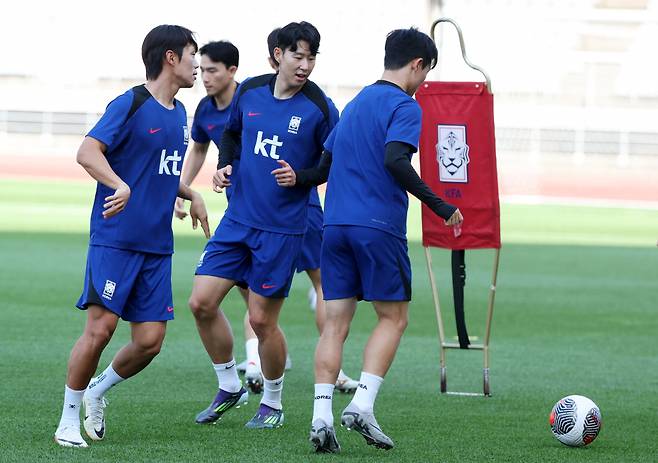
[(575, 421)]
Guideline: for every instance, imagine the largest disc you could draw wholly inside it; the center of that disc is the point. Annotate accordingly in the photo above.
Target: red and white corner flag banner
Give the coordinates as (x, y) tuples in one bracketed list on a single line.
[(458, 162)]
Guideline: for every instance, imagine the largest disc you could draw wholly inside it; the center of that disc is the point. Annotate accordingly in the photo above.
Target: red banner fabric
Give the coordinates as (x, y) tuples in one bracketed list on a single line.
[(458, 162)]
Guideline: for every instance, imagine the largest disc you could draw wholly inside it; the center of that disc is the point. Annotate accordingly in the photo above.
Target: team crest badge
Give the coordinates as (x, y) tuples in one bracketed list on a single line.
[(293, 126), (452, 154), (108, 290)]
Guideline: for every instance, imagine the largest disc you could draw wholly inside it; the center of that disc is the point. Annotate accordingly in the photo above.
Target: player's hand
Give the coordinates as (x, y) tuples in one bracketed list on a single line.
[(285, 175), (117, 202), (199, 214), (179, 208), (455, 218), (222, 179)]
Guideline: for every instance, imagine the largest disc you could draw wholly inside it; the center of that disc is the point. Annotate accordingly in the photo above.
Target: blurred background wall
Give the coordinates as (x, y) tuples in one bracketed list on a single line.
[(576, 106)]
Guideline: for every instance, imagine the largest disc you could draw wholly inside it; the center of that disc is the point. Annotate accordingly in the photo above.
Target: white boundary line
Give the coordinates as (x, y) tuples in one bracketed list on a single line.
[(573, 201)]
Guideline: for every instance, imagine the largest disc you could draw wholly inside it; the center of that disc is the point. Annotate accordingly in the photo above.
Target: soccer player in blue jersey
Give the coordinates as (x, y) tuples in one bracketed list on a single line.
[(278, 120), (364, 251), (135, 153), (309, 262), (219, 63)]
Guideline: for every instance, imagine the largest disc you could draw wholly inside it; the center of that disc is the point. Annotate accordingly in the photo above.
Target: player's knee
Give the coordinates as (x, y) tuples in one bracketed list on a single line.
[(201, 309), (152, 349), (99, 334), (398, 321), (336, 329), (401, 322), (261, 324), (150, 346)]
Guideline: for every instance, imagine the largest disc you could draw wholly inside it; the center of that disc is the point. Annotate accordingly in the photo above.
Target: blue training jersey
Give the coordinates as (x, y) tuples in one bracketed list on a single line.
[(208, 125), (146, 144), (293, 130), (360, 190)]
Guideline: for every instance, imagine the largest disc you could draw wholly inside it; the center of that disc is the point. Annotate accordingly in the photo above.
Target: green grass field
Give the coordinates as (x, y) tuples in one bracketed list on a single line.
[(576, 313)]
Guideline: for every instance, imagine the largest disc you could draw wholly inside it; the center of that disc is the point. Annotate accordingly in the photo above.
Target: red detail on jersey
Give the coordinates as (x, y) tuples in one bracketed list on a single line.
[(266, 286), (170, 309), (211, 126), (250, 114), (152, 131)]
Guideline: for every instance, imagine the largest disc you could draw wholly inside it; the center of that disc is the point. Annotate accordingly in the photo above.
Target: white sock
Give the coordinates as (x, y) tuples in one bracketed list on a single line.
[(251, 346), (366, 393), (71, 409), (322, 403), (272, 390), (227, 376), (103, 382)]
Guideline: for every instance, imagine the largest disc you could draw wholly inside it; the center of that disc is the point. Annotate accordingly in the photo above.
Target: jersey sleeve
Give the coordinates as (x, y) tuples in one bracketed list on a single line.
[(199, 135), (405, 124), (329, 142), (108, 128)]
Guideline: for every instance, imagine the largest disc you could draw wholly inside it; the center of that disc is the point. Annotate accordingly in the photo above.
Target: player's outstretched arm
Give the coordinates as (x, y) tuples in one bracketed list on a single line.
[(398, 164), (193, 163), (91, 156), (198, 211)]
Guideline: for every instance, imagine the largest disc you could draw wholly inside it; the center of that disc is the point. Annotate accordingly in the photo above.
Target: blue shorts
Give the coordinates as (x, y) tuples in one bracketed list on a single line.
[(134, 285), (309, 258), (365, 263), (264, 260)]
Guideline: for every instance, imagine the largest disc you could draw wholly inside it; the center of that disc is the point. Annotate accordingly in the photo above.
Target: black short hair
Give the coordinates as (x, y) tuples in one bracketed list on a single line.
[(292, 33), (405, 45), (273, 42), (158, 41), (221, 52)]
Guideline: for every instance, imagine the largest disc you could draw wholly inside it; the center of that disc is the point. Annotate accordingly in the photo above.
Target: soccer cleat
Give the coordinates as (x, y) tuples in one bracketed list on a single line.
[(94, 422), (222, 403), (69, 436), (365, 424), (323, 437), (241, 367), (346, 384), (266, 418), (254, 378)]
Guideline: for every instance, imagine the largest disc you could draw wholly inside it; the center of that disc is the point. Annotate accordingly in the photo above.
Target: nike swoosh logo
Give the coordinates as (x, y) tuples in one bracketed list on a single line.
[(266, 286), (250, 114), (170, 309), (152, 131), (230, 366), (211, 126)]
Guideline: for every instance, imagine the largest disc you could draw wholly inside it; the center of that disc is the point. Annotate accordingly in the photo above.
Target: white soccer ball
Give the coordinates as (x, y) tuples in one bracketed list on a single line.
[(575, 421)]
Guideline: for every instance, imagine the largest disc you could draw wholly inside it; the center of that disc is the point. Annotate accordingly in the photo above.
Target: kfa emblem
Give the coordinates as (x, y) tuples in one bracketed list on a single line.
[(186, 135), (293, 126), (108, 290), (452, 154)]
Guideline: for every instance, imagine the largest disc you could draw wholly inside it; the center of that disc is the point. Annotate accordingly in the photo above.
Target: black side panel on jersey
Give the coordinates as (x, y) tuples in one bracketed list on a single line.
[(141, 95), (315, 94)]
